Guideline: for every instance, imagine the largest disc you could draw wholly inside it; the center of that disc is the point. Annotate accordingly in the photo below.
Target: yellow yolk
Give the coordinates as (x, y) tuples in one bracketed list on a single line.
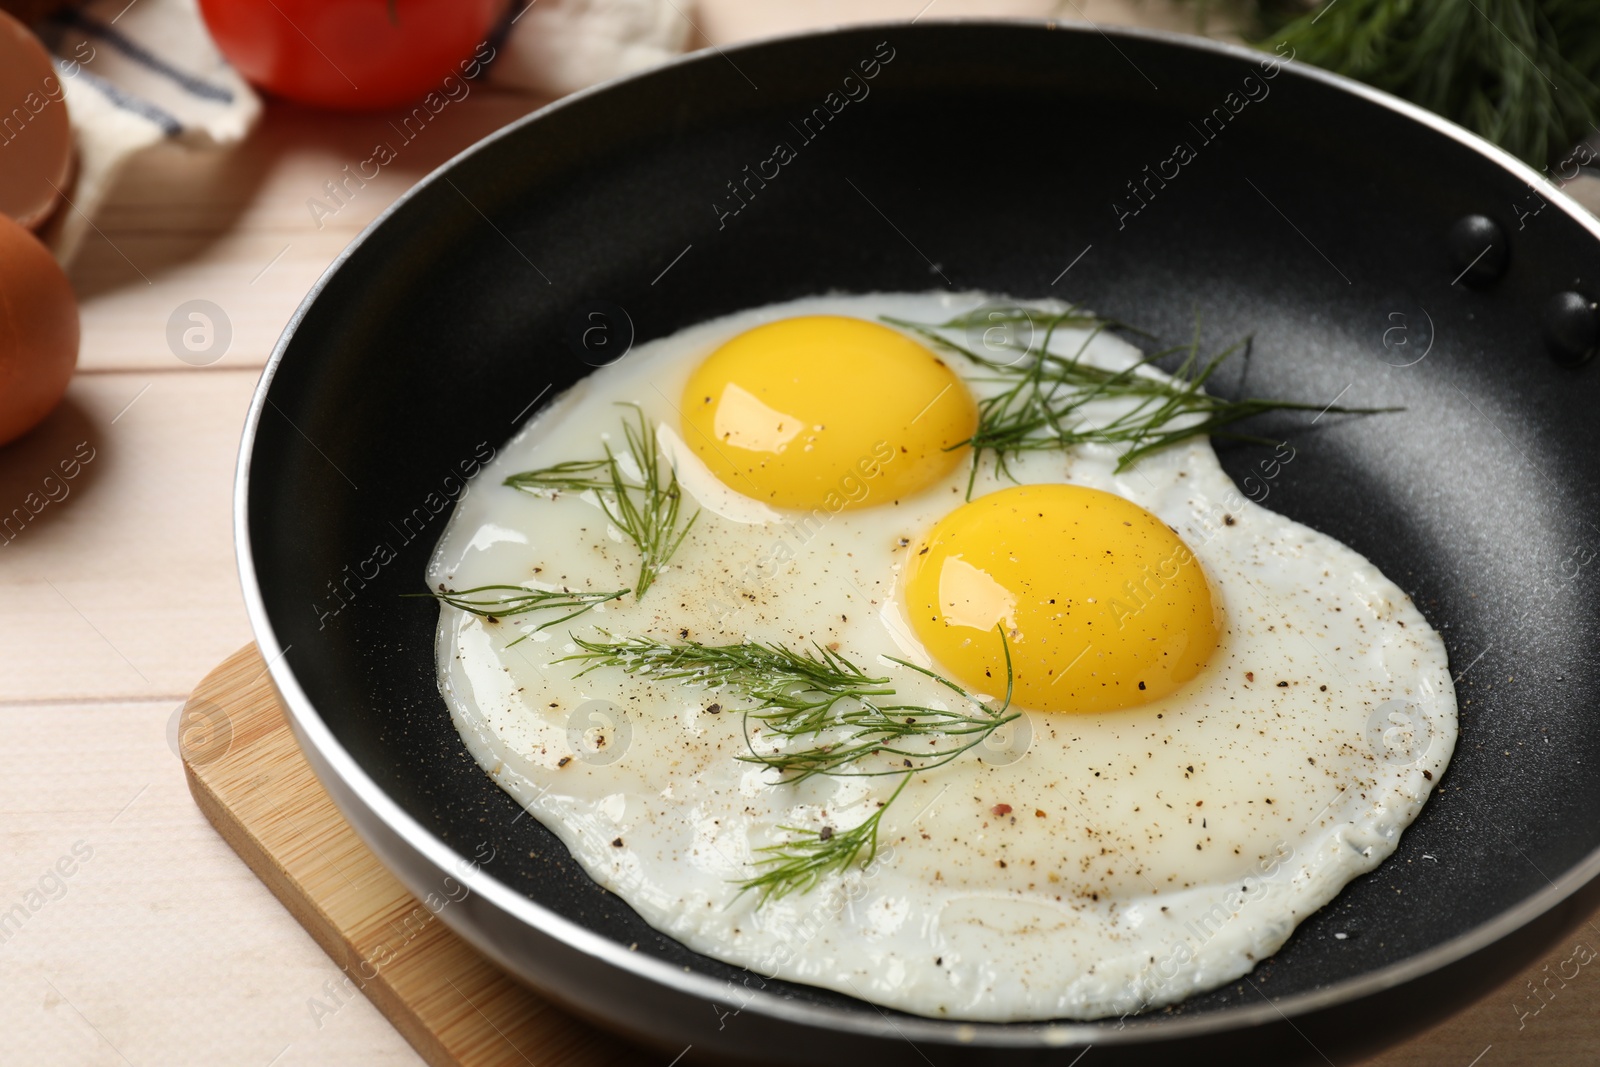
[(1102, 604), (827, 411)]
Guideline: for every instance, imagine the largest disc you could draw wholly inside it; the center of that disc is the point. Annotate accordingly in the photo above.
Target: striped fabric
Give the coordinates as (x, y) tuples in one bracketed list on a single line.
[(135, 74)]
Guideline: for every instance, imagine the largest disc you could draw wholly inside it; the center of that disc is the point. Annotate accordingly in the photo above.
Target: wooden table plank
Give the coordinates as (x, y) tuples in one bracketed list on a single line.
[(238, 227), (159, 948), (125, 585)]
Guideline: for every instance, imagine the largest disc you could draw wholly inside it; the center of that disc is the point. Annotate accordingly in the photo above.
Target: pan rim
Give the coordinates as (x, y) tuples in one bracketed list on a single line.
[(312, 731)]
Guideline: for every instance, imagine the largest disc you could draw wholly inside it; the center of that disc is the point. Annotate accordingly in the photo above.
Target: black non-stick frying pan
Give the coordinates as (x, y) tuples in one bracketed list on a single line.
[(1322, 218)]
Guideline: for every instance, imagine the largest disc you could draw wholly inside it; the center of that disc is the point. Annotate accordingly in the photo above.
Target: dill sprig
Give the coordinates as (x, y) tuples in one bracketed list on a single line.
[(805, 683), (637, 501), (510, 600), (1040, 405), (820, 695), (872, 729), (799, 863)]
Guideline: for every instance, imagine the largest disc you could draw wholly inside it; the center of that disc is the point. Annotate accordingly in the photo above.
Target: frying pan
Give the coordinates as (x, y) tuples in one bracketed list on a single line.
[(1318, 217)]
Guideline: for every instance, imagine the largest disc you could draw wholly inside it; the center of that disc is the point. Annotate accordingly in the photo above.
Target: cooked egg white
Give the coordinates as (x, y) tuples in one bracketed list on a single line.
[(1081, 863)]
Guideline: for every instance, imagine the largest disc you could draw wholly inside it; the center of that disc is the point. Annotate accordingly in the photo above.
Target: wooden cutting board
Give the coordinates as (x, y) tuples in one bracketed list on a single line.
[(459, 1010)]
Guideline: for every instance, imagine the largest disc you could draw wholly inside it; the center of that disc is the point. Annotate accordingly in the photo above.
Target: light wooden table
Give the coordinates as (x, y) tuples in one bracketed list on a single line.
[(159, 946)]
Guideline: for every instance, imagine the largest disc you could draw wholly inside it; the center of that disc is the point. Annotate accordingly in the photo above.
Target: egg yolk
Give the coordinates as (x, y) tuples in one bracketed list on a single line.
[(827, 411), (1103, 606)]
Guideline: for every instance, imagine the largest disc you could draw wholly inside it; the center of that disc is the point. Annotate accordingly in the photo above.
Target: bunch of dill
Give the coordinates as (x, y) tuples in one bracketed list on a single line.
[(1524, 74)]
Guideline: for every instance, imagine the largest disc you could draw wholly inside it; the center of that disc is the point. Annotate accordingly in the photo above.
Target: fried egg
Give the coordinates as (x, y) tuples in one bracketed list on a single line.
[(1223, 715)]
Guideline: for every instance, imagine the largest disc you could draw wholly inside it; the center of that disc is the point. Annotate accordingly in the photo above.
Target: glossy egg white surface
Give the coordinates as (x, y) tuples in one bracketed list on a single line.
[(1076, 866)]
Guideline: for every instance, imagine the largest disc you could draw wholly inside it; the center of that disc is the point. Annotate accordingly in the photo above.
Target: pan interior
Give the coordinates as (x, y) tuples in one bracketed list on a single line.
[(992, 157)]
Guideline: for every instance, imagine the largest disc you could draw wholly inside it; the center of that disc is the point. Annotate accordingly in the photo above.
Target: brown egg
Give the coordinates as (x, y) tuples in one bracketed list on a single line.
[(35, 136), (38, 331)]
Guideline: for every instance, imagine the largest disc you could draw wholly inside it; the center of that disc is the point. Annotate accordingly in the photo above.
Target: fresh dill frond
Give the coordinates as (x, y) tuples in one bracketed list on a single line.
[(873, 729), (805, 694), (748, 666), (1042, 396), (820, 698), (798, 864), (639, 502), (507, 600), (807, 685)]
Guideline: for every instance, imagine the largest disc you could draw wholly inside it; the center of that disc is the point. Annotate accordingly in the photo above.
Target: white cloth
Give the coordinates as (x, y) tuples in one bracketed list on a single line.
[(557, 47), (142, 72), (134, 75)]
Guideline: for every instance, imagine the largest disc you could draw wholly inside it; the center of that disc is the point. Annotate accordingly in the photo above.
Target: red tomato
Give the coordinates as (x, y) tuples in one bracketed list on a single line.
[(353, 54)]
